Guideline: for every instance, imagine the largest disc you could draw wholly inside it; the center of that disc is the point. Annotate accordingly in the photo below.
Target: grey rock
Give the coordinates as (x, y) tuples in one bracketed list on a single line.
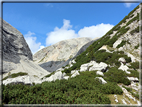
[(17, 57), (101, 80), (14, 46), (75, 74), (99, 73)]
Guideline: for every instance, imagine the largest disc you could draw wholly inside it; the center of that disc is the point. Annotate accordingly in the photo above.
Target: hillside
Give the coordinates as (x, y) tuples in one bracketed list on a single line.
[(107, 72)]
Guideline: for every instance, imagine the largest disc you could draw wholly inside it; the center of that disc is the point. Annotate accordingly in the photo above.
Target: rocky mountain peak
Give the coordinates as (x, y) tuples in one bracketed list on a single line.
[(14, 44)]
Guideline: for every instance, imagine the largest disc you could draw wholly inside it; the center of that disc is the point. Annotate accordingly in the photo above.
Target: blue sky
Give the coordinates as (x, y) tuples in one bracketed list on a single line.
[(44, 24)]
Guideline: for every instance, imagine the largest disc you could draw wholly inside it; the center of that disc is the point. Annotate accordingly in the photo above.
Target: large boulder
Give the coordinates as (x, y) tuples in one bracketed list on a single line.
[(19, 79), (124, 68), (99, 73), (134, 79), (75, 74), (93, 65), (98, 66), (101, 80)]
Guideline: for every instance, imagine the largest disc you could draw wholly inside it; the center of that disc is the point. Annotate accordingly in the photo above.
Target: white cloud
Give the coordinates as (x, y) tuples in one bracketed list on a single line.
[(95, 31), (65, 32), (60, 34), (31, 41), (129, 4)]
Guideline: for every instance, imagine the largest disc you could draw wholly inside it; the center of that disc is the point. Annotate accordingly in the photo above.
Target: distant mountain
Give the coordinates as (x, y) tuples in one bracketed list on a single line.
[(58, 55)]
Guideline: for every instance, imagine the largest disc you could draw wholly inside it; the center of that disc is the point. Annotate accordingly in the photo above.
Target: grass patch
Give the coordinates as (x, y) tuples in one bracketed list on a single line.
[(15, 75), (136, 30), (136, 47), (131, 91), (49, 75)]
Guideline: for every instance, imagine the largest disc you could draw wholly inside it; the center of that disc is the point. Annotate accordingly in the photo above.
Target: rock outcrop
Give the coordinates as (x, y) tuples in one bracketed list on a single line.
[(17, 56)]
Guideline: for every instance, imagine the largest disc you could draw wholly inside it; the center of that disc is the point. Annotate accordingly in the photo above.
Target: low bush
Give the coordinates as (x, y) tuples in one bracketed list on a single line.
[(82, 89), (134, 65), (116, 75), (134, 73), (136, 47), (136, 30), (121, 44)]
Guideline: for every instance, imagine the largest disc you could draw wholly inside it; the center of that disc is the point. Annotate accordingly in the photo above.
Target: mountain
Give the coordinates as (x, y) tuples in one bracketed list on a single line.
[(58, 55), (105, 71), (17, 57)]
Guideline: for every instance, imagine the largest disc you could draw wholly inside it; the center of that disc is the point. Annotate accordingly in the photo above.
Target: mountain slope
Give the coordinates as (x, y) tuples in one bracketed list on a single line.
[(17, 57), (55, 56), (107, 72)]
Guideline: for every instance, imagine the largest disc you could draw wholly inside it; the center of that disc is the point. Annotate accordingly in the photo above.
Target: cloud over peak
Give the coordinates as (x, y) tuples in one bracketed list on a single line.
[(31, 41), (66, 32)]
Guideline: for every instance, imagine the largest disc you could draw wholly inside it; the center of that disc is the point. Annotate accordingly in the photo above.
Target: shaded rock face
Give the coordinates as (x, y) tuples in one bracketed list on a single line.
[(17, 57), (14, 47), (58, 55)]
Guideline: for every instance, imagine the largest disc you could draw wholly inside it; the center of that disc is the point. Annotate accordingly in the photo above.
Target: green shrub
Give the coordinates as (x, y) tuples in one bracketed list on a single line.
[(134, 65), (136, 30), (134, 73), (135, 95), (82, 89), (127, 88), (136, 47), (135, 18), (121, 44), (111, 88), (118, 76)]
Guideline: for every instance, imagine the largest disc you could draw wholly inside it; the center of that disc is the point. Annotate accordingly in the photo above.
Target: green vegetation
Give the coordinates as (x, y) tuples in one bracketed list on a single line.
[(119, 33), (127, 88), (121, 44), (42, 59), (134, 65), (136, 30), (49, 75), (15, 75), (135, 18), (136, 47), (135, 95), (82, 89), (134, 73), (111, 58), (130, 90), (118, 76)]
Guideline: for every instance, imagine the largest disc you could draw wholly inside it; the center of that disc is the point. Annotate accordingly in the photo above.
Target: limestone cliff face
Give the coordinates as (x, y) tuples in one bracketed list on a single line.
[(53, 57), (17, 56), (14, 43), (14, 47)]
